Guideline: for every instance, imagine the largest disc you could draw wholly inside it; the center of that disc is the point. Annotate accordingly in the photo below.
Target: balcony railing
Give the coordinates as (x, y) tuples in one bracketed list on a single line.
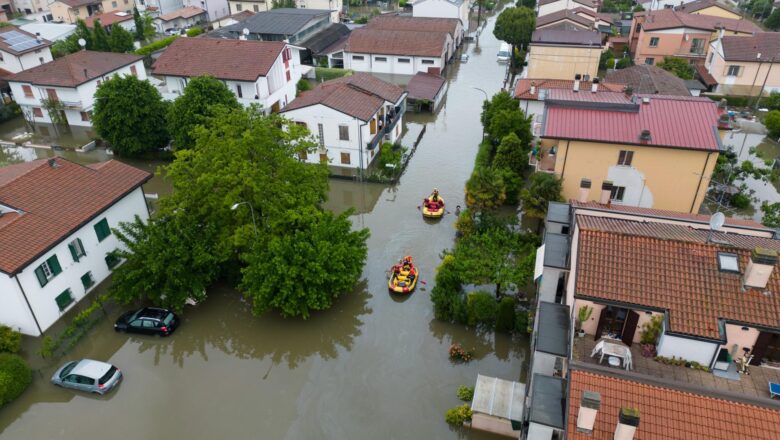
[(388, 127), (544, 162)]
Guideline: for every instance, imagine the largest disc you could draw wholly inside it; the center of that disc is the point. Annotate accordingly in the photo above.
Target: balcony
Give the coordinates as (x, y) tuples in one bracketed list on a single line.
[(543, 161), (387, 124)]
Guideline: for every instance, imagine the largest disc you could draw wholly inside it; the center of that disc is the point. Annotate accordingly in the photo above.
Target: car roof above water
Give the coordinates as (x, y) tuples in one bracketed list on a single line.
[(90, 368)]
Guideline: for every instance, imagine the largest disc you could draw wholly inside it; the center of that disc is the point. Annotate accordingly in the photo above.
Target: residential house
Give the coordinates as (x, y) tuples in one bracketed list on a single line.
[(565, 19), (215, 9), (283, 24), (50, 31), (257, 72), (426, 91), (602, 22), (55, 234), (319, 43), (443, 9), (557, 54), (386, 51), (710, 291), (648, 80), (745, 66), (709, 7), (26, 7), (654, 5), (670, 33), (400, 24), (545, 7), (159, 7), (351, 117), (70, 11), (232, 19), (108, 19), (335, 6), (72, 80), (650, 151), (183, 18), (20, 50)]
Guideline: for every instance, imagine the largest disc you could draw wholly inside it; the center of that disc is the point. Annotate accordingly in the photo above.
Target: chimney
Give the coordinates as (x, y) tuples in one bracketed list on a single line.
[(606, 192), (645, 136), (584, 190), (645, 100), (577, 79), (53, 163), (721, 32), (589, 408), (628, 421), (759, 268), (595, 85), (629, 91), (533, 87), (86, 75)]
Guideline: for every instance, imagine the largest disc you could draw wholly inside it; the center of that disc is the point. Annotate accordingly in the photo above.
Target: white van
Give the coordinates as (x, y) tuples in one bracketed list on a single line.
[(504, 53)]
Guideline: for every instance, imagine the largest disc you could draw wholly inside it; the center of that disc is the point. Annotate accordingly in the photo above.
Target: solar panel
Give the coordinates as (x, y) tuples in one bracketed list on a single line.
[(18, 41)]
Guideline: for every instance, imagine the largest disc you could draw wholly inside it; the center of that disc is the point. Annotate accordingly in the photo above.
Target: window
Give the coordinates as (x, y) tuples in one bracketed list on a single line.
[(404, 60), (111, 261), (343, 133), (133, 71), (239, 7), (320, 131), (87, 281), (76, 11), (102, 230), (649, 61), (324, 157), (85, 116), (27, 91), (127, 2), (638, 27), (303, 156), (357, 58), (301, 124), (617, 193), (728, 262), (41, 60), (48, 270), (238, 91), (37, 112), (733, 71), (256, 8), (76, 249), (113, 4), (51, 94), (345, 158), (614, 320), (1, 57), (625, 158), (697, 46), (64, 299), (654, 41), (427, 61), (380, 59), (289, 77), (712, 55)]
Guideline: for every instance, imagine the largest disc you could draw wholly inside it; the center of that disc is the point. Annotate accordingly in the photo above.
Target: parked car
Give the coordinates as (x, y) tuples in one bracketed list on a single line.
[(504, 53), (464, 58), (172, 31), (149, 321), (88, 375)]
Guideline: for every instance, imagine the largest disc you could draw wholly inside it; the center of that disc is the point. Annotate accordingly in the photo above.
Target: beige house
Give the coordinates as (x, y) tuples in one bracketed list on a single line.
[(746, 65), (562, 54), (712, 8), (237, 6), (70, 11)]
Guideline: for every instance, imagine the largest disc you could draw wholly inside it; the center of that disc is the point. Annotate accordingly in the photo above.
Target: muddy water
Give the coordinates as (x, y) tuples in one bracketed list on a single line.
[(374, 366)]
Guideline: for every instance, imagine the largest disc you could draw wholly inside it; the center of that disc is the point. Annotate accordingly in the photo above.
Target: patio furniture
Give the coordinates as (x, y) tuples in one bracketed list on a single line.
[(774, 389), (613, 361), (612, 349)]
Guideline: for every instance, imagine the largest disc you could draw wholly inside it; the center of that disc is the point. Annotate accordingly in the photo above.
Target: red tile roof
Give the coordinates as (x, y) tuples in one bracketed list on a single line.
[(360, 95), (240, 60), (425, 86), (673, 267), (766, 44), (585, 95), (566, 37), (77, 3), (76, 68), (399, 23), (673, 121), (594, 15), (185, 12), (698, 5), (523, 86), (646, 79), (669, 19), (108, 18), (563, 14), (54, 202), (582, 2), (410, 43), (667, 413), (705, 76)]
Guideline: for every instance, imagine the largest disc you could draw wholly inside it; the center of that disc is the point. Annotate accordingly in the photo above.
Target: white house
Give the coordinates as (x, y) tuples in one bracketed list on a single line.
[(159, 7), (351, 117), (215, 9), (181, 18), (55, 234), (335, 6), (73, 80), (443, 9), (258, 72), (20, 50), (406, 53), (51, 31), (401, 24), (108, 19), (546, 7)]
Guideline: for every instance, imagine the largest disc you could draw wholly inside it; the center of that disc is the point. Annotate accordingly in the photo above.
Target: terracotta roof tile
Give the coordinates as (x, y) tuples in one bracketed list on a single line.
[(767, 44), (54, 202), (185, 12), (563, 14), (649, 79), (594, 15), (240, 60), (582, 2), (523, 86), (698, 218), (77, 3), (698, 5), (667, 413), (409, 43), (108, 18), (674, 268), (76, 68), (425, 86), (669, 19), (419, 24)]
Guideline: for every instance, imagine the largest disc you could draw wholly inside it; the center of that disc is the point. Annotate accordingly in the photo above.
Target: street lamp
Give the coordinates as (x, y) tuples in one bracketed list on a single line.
[(251, 209), (483, 106)]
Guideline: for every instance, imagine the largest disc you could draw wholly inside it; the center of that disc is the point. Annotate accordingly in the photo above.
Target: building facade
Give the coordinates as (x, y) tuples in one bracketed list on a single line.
[(20, 50), (335, 6), (443, 9), (745, 66), (405, 53), (558, 54), (546, 7)]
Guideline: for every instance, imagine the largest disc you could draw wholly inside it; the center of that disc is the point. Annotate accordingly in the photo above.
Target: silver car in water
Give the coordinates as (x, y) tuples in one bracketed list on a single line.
[(88, 375)]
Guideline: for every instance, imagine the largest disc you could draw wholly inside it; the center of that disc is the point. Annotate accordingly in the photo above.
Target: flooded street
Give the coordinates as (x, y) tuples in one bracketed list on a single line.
[(374, 366)]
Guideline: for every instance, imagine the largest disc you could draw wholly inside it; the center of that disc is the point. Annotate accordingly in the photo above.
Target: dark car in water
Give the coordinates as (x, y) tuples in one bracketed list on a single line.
[(148, 321)]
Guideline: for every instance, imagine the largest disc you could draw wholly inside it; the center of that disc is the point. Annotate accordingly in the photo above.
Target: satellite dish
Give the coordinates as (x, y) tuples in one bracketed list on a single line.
[(82, 42), (245, 31), (717, 221)]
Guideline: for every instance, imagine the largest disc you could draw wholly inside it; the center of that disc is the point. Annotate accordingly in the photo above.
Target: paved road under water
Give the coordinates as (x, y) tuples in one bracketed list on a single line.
[(374, 366)]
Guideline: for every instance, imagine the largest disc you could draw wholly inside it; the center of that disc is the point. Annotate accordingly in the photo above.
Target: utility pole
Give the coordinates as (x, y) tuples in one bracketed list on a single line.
[(479, 12), (761, 91)]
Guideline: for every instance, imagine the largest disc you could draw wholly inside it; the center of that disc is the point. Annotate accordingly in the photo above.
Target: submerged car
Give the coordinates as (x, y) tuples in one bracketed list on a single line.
[(148, 321), (88, 375)]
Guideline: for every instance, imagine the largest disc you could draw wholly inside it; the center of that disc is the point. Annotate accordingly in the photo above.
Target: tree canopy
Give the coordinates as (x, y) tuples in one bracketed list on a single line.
[(120, 39), (773, 21), (544, 188), (515, 26), (771, 214), (677, 66), (511, 154), (130, 115), (772, 122), (485, 190), (194, 106)]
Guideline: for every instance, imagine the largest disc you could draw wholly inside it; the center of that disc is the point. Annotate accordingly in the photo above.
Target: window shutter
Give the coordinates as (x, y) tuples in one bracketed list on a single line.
[(81, 247), (54, 265), (739, 70), (73, 252), (41, 276)]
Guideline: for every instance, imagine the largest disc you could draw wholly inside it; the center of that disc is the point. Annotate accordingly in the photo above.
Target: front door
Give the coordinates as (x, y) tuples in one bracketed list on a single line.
[(611, 322), (767, 347)]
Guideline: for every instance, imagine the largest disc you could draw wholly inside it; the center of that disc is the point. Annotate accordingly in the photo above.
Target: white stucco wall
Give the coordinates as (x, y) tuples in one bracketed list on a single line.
[(392, 65), (14, 311), (688, 349), (16, 64), (560, 6), (42, 299), (442, 9), (741, 338), (636, 193)]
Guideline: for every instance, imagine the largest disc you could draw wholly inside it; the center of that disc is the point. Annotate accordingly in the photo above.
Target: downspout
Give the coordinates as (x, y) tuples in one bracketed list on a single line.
[(701, 178), (360, 149), (566, 156), (16, 277)]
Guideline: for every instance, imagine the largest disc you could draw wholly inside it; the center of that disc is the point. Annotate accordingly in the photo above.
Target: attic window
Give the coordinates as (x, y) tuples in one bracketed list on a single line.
[(728, 262)]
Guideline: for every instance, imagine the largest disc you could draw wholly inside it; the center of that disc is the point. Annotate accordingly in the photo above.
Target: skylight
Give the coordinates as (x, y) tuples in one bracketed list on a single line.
[(728, 262)]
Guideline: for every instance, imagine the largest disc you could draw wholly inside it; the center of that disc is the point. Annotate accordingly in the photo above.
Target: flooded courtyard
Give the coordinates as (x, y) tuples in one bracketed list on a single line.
[(374, 366)]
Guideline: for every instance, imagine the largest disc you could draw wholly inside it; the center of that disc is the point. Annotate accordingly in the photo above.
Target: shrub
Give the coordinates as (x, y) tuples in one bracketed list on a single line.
[(521, 322), (302, 85), (329, 73), (740, 201), (157, 45), (194, 31), (651, 330), (447, 296), (458, 415), (772, 122), (15, 377), (465, 393), (732, 101), (505, 317), (10, 340), (482, 309)]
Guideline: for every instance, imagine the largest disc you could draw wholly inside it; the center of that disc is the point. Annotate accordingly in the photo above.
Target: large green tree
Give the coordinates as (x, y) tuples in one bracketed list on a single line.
[(772, 122), (543, 189), (485, 190), (773, 21), (771, 213), (511, 154), (139, 25), (506, 122), (515, 26), (130, 115), (678, 66), (99, 38), (194, 106), (120, 40), (502, 100)]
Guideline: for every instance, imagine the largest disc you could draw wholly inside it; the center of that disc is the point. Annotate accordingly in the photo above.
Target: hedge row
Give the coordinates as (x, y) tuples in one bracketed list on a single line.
[(732, 101), (157, 45)]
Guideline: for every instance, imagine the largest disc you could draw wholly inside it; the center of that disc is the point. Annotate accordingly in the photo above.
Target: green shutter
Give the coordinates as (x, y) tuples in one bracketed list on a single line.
[(87, 281), (73, 252), (111, 261), (54, 265), (41, 276), (102, 230), (64, 299), (81, 247)]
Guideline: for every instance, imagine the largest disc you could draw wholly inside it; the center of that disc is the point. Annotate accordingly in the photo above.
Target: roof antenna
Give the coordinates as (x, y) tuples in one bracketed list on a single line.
[(716, 222)]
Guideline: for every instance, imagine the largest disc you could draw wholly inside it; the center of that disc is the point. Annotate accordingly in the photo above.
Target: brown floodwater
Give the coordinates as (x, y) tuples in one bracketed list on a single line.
[(374, 366)]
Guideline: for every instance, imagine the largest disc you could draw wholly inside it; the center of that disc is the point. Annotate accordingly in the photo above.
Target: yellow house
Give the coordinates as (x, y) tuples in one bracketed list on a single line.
[(746, 66), (561, 54), (648, 151), (70, 11), (709, 7)]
